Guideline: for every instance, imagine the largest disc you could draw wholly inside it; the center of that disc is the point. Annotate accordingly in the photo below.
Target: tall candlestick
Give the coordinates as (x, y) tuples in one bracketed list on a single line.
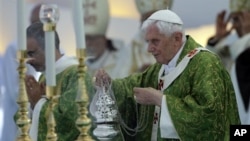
[(49, 15), (21, 36), (23, 121), (78, 18), (83, 122)]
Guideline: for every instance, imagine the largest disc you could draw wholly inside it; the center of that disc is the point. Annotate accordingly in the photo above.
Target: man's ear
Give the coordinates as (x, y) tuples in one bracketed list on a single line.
[(178, 36)]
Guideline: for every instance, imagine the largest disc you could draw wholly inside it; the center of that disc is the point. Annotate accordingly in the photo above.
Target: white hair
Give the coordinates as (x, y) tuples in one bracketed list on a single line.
[(165, 28)]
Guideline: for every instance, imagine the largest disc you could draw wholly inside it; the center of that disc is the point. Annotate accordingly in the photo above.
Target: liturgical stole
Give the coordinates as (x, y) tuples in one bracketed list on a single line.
[(165, 80)]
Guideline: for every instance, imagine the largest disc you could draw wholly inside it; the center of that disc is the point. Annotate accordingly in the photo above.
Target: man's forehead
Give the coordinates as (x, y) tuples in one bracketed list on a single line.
[(32, 43), (235, 15)]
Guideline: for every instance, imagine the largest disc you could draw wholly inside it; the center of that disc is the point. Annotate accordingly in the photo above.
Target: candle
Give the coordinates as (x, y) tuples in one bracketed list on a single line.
[(50, 58), (78, 20), (21, 35), (49, 15)]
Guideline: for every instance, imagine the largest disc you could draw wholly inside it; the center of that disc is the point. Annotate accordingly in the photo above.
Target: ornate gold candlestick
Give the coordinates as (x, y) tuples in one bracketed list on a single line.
[(49, 15), (83, 122), (23, 121)]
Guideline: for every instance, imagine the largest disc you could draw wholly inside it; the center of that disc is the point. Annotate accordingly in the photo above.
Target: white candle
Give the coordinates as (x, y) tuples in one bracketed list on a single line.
[(21, 35), (50, 58), (78, 20)]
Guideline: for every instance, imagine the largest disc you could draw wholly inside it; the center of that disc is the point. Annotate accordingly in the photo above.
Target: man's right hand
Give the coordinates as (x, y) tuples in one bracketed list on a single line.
[(102, 78), (221, 27)]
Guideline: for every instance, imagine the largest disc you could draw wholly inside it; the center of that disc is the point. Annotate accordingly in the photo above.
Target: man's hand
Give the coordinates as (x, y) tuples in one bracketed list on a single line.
[(245, 22), (34, 90), (148, 96), (221, 26), (102, 79)]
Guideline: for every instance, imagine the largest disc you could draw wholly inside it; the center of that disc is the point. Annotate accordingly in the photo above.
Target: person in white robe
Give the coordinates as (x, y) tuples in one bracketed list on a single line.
[(235, 54), (10, 82), (11, 90), (1, 97), (103, 52)]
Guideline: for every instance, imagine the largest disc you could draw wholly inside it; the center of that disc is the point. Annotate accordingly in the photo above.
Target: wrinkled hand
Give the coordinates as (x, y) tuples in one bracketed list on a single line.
[(34, 90), (102, 79), (221, 26), (148, 96)]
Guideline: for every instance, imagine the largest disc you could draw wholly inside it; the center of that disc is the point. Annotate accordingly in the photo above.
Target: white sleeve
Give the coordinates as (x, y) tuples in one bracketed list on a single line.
[(218, 47), (166, 125)]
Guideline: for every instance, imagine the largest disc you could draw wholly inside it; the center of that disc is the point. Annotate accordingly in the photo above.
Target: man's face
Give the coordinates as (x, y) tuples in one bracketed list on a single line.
[(241, 22), (163, 48), (236, 22), (36, 55), (95, 46)]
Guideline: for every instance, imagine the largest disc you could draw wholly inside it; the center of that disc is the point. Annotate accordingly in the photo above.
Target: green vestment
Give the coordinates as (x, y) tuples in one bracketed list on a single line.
[(66, 111), (201, 100)]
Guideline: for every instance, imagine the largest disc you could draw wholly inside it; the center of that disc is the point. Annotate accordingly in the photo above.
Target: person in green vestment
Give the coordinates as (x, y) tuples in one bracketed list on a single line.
[(186, 95), (66, 69)]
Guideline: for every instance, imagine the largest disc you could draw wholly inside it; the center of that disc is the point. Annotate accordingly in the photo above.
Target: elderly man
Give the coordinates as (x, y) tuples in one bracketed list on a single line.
[(187, 95), (141, 59)]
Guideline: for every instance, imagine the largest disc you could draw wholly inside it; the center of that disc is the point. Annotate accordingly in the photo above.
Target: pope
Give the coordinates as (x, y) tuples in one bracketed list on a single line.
[(186, 95)]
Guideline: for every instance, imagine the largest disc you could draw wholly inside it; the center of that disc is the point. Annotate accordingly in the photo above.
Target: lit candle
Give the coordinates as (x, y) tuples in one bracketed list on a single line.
[(78, 18), (21, 35)]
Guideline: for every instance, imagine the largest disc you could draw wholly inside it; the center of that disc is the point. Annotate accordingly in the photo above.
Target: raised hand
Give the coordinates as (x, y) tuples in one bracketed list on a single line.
[(222, 26)]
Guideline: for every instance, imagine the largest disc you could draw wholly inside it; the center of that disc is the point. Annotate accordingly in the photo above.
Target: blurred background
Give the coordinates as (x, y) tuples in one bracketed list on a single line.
[(198, 17)]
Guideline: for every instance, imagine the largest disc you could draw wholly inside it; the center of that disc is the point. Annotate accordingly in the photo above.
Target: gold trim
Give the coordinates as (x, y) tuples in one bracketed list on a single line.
[(49, 27), (81, 52)]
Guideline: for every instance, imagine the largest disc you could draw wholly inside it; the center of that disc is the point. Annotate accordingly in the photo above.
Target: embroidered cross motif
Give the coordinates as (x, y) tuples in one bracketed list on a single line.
[(160, 85), (156, 118), (191, 53)]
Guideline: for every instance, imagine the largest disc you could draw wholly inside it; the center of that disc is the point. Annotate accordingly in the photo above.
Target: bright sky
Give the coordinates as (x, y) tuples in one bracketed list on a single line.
[(123, 8), (198, 17)]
